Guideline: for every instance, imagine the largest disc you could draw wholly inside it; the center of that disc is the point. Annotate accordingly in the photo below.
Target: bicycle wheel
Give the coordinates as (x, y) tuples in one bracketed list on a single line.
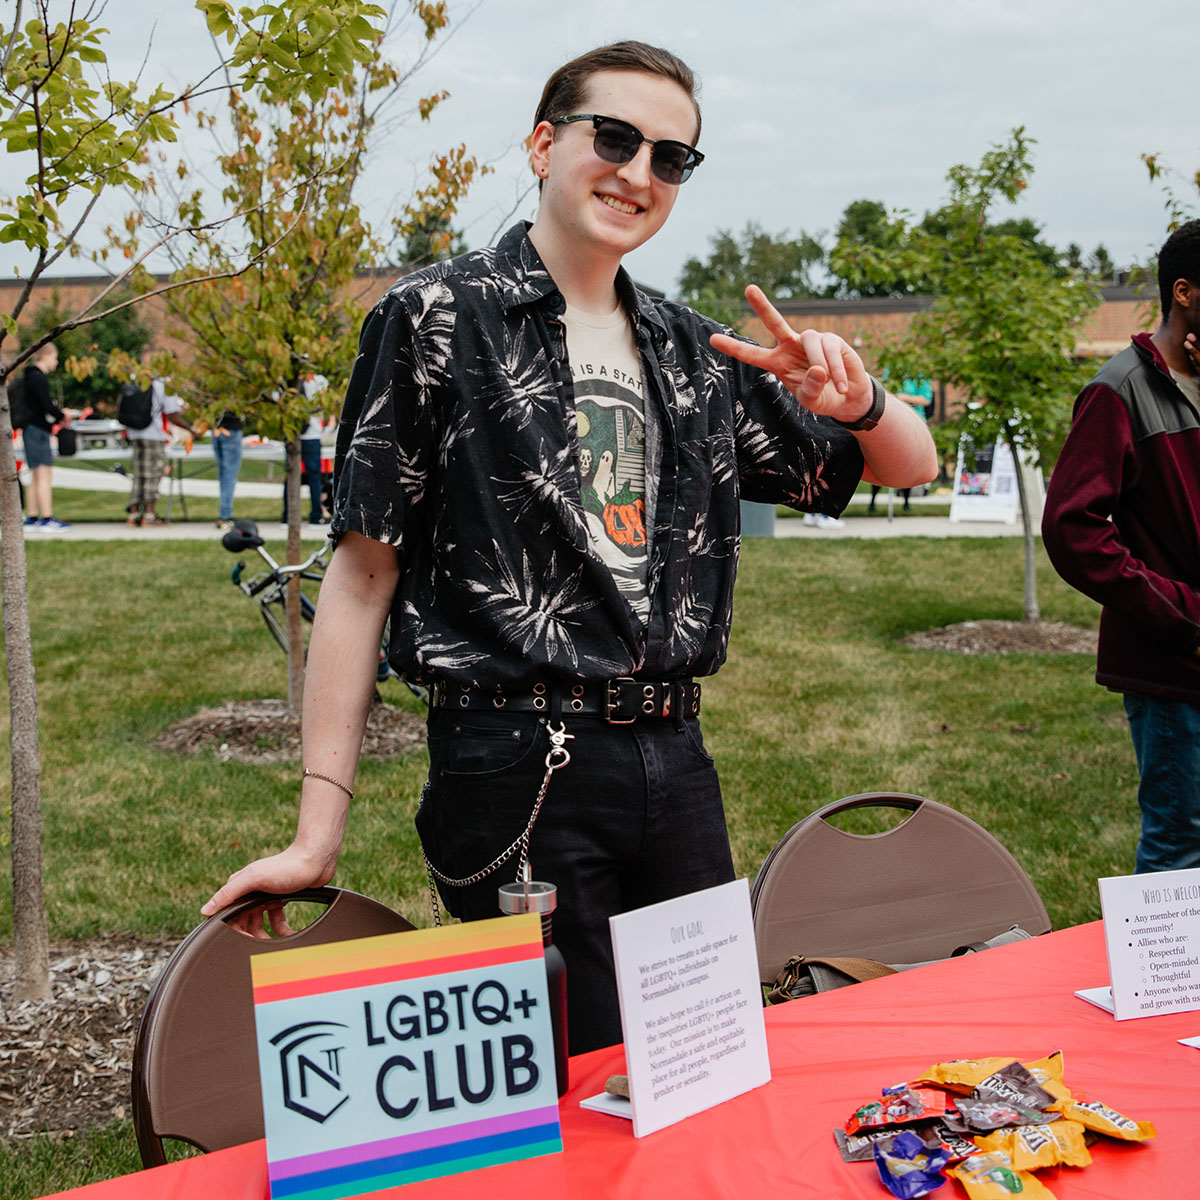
[(274, 613), (273, 606)]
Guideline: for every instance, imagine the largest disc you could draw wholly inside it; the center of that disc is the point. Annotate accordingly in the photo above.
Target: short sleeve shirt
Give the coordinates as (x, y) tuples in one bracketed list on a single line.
[(459, 446)]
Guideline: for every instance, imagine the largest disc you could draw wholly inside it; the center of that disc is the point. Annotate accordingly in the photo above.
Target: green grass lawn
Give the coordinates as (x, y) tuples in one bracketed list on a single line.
[(818, 700)]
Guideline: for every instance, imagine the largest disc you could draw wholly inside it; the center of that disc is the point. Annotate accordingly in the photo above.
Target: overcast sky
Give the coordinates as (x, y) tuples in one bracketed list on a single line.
[(810, 104)]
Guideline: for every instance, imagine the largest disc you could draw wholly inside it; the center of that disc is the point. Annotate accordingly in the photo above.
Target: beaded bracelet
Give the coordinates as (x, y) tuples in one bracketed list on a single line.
[(329, 779)]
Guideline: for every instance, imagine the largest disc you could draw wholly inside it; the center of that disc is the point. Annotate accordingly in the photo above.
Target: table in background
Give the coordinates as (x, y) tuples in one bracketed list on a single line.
[(829, 1053)]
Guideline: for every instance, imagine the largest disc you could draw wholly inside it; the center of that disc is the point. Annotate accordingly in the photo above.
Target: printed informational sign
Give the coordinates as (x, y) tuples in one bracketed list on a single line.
[(409, 1056), (985, 484), (1152, 933), (691, 1004)]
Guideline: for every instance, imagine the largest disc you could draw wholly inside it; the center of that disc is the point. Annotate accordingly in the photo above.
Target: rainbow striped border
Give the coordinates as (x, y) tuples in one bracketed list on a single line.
[(412, 1157), (393, 957)]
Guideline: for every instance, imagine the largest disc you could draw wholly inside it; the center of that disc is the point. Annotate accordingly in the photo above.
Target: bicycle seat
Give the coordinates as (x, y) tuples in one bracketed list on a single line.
[(243, 536)]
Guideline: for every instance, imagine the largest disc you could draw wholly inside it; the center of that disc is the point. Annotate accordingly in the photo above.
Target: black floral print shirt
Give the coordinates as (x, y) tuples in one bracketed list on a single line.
[(458, 446)]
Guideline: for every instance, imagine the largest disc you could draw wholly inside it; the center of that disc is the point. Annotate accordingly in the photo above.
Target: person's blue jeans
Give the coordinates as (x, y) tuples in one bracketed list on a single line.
[(227, 452), (310, 467), (634, 818), (1166, 740)]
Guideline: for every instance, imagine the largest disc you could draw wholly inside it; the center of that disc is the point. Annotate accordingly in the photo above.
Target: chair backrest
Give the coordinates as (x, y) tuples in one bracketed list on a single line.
[(913, 893), (195, 1061)]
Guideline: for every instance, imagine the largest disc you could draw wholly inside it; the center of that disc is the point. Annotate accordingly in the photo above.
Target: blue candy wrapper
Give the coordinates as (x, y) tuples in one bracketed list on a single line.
[(909, 1168)]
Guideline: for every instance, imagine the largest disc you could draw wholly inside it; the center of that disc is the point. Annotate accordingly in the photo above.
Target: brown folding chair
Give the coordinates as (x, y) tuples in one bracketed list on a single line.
[(195, 1062), (914, 893)]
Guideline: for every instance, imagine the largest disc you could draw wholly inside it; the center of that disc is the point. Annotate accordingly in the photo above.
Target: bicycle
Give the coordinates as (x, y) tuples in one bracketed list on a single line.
[(269, 590)]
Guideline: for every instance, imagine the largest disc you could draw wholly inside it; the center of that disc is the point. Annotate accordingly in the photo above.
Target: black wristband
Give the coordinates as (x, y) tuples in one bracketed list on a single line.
[(874, 414)]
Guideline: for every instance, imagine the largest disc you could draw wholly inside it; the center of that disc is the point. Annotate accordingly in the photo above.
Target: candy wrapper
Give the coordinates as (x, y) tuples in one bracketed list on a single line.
[(965, 1075), (1014, 1084), (908, 1167), (1102, 1119), (982, 1115), (992, 1176), (860, 1147), (901, 1105), (960, 1147), (1033, 1147)]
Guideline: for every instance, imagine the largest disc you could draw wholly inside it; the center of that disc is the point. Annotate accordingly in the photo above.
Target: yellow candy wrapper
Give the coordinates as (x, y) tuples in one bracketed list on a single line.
[(992, 1176), (1033, 1147), (1102, 1119), (965, 1075)]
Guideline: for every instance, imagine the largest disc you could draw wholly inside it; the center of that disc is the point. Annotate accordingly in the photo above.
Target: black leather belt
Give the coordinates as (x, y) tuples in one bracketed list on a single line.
[(618, 701)]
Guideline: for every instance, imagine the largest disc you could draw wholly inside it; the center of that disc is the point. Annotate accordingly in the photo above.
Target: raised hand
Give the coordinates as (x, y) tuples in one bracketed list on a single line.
[(821, 370)]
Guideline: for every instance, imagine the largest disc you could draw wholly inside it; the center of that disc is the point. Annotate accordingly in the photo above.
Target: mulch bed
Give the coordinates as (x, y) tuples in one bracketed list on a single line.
[(65, 1063), (263, 731), (1006, 637)]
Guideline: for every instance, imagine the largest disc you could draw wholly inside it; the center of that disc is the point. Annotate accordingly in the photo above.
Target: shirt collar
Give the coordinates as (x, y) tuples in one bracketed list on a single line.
[(1145, 343), (525, 279)]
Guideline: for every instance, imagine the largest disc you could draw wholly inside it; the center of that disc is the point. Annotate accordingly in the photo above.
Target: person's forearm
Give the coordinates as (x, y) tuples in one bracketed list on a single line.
[(343, 657), (899, 452)]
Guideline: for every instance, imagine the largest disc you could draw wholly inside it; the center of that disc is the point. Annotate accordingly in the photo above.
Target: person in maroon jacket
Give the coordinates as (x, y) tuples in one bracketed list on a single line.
[(1122, 524)]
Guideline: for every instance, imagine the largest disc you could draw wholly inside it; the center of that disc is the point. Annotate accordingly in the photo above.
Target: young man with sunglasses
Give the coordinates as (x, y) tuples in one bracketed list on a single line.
[(539, 472)]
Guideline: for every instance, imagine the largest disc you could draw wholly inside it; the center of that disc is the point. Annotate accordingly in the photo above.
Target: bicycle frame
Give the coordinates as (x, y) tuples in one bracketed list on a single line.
[(269, 590)]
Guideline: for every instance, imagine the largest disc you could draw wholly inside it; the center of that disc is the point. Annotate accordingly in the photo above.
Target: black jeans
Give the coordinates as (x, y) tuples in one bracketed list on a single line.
[(634, 818)]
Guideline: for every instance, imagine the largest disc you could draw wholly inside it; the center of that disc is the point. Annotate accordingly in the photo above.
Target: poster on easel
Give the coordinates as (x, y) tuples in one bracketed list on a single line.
[(985, 484)]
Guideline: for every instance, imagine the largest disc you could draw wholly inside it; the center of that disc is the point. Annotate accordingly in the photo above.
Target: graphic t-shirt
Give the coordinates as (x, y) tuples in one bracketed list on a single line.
[(610, 415)]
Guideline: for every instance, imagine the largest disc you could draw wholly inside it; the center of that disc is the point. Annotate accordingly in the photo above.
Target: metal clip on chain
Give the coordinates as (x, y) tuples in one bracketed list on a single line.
[(556, 758)]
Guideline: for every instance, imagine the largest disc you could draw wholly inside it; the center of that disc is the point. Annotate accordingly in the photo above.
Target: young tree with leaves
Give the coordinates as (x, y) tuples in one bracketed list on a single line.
[(73, 134), (1004, 323), (291, 166)]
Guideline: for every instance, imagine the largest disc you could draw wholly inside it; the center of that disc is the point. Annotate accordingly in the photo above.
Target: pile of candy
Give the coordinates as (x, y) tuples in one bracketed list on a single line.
[(988, 1123)]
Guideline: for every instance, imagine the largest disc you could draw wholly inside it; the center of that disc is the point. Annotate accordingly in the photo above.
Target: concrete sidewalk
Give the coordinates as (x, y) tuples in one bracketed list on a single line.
[(176, 531), (908, 526), (91, 480)]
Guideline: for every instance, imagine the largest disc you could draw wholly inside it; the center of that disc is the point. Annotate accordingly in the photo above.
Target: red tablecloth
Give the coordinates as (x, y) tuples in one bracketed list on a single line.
[(828, 1054)]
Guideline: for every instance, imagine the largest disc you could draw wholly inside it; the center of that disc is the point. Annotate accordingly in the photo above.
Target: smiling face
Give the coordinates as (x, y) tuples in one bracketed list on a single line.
[(603, 210)]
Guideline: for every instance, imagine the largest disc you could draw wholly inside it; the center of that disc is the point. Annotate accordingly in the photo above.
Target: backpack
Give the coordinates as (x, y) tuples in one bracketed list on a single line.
[(17, 407), (135, 409)]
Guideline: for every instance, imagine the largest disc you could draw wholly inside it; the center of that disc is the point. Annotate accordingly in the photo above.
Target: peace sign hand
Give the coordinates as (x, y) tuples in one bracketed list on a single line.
[(821, 370)]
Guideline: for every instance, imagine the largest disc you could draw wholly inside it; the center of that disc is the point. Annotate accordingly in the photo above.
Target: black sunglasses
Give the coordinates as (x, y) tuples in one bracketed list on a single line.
[(617, 142)]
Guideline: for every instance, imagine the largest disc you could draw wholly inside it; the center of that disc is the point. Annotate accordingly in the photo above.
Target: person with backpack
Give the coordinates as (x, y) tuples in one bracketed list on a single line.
[(145, 413), (40, 416)]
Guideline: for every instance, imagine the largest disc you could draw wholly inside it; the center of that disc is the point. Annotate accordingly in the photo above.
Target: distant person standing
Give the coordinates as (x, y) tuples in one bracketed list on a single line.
[(227, 453), (149, 445), (1122, 524), (43, 415), (310, 456)]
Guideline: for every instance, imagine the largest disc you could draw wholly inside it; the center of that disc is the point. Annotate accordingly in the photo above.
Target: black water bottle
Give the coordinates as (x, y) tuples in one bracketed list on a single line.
[(542, 898)]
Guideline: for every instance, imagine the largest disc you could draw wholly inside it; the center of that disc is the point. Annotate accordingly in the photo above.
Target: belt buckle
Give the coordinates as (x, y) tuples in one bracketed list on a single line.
[(612, 688)]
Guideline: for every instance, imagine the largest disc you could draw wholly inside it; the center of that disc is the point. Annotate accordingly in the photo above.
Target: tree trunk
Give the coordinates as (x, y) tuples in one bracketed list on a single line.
[(295, 623), (31, 942), (1032, 612)]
